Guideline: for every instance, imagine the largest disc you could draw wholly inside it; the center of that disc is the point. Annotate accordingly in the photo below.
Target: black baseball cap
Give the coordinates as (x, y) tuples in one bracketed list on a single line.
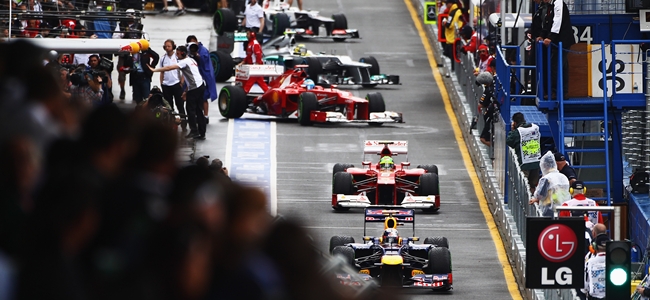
[(559, 157), (578, 185), (601, 240)]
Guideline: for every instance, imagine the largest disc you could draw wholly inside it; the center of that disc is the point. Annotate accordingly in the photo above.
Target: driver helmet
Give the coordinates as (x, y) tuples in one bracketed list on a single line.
[(309, 84), (391, 236), (386, 163), (300, 49)]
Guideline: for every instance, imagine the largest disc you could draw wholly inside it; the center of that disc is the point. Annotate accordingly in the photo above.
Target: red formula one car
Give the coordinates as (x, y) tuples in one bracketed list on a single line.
[(385, 183), (285, 96)]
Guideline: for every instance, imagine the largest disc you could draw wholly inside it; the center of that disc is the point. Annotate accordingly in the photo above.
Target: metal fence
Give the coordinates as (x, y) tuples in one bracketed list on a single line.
[(501, 178)]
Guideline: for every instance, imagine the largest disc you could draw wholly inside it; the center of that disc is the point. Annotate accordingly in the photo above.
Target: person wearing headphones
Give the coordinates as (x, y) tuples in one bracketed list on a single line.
[(193, 93), (578, 198), (595, 274), (172, 81)]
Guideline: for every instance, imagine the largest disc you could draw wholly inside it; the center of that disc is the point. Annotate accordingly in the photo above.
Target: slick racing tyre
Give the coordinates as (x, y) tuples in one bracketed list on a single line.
[(314, 68), (373, 70), (223, 65), (224, 20), (439, 261), (306, 104), (375, 104), (340, 240), (438, 241), (342, 184), (429, 184), (371, 60), (429, 168), (340, 22), (340, 168), (232, 101), (346, 252), (280, 24)]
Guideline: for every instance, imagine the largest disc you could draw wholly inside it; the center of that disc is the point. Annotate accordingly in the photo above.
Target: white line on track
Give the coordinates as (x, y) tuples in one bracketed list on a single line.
[(273, 175), (229, 136), (416, 228)]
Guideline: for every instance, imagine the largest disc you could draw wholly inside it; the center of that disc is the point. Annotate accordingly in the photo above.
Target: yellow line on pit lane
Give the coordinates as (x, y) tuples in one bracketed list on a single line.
[(478, 189)]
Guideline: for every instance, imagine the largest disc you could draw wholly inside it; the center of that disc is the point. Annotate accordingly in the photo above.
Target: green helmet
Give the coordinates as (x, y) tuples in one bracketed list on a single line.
[(386, 162)]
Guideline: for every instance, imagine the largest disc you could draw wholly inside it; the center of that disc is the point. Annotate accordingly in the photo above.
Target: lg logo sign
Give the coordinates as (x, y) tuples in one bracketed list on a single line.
[(557, 243), (556, 261)]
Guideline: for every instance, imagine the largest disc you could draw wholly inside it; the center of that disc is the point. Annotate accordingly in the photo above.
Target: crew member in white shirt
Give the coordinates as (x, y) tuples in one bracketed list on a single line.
[(172, 81), (195, 87), (254, 19), (595, 276)]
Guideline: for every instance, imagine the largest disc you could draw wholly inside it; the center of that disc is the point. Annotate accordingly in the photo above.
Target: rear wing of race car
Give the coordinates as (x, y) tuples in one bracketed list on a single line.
[(391, 216), (377, 147)]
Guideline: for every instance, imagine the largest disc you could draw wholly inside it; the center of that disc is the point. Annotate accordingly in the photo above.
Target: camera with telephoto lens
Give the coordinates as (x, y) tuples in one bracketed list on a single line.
[(78, 78), (106, 64)]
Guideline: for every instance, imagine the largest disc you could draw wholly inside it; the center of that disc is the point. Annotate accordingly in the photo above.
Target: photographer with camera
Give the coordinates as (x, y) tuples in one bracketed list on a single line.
[(102, 67), (488, 106), (86, 87)]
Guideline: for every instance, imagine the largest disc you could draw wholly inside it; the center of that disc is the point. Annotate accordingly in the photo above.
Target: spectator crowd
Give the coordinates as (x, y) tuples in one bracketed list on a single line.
[(95, 205)]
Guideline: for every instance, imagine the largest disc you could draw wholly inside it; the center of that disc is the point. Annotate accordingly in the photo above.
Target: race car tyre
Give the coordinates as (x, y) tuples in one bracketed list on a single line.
[(314, 68), (375, 104), (340, 21), (224, 20), (306, 104), (429, 168), (340, 240), (343, 184), (346, 252), (223, 65), (439, 261), (340, 168), (371, 60), (280, 24), (232, 101), (429, 184), (438, 241)]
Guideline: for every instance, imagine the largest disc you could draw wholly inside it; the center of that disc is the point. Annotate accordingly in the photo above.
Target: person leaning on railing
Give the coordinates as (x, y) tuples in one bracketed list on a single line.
[(524, 138), (553, 187)]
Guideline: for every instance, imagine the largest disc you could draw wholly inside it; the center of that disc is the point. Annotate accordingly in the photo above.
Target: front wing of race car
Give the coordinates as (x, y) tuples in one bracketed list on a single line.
[(430, 281), (410, 201), (427, 281), (337, 117), (425, 202), (337, 34)]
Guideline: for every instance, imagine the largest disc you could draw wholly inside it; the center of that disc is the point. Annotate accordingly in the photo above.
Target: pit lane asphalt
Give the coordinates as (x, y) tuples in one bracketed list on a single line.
[(305, 155)]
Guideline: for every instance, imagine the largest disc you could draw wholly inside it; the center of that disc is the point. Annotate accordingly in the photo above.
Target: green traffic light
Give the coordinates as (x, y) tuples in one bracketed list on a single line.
[(618, 276)]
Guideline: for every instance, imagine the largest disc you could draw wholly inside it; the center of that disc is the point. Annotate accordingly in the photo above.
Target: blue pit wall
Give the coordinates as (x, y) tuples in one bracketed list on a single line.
[(555, 117)]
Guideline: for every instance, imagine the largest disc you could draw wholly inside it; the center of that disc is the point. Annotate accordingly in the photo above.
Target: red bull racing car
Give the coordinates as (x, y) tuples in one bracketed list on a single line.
[(385, 182), (288, 94), (393, 260)]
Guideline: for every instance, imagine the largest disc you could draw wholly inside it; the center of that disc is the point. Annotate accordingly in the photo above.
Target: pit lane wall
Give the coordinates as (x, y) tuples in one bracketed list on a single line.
[(491, 165)]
